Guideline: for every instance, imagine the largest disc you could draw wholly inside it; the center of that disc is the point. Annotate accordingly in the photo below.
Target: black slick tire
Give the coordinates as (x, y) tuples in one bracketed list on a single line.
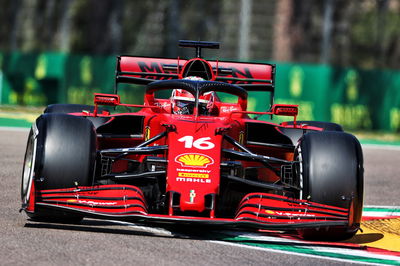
[(68, 108), (61, 153), (331, 173)]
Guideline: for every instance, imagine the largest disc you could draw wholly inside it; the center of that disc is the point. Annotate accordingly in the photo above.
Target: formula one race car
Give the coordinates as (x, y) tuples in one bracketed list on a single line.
[(193, 158)]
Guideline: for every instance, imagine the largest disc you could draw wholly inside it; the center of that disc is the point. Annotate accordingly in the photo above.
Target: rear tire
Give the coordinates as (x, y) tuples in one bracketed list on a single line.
[(61, 153), (326, 126), (68, 108), (78, 108), (331, 173)]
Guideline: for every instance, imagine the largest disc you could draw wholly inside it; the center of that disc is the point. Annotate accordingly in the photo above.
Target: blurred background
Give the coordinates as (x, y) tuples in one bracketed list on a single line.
[(338, 59)]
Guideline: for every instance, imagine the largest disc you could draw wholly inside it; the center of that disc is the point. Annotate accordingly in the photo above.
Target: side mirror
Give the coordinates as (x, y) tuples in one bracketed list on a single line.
[(285, 109), (106, 99)]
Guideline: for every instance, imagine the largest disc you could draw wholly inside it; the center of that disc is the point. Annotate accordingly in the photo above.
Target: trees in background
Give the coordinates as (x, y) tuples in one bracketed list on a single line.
[(362, 33)]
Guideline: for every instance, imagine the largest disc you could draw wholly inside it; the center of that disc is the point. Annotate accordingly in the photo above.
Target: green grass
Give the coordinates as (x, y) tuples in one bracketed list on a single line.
[(22, 109), (377, 137)]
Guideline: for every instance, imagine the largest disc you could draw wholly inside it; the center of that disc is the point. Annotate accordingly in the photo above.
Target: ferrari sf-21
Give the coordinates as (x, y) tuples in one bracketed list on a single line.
[(193, 154)]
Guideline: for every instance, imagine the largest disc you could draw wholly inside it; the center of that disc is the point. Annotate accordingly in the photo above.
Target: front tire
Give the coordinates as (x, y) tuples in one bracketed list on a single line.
[(61, 153), (331, 173), (28, 169), (66, 151)]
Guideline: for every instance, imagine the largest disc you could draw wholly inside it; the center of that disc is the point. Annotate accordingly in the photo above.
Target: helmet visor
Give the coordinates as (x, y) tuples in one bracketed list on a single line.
[(184, 107)]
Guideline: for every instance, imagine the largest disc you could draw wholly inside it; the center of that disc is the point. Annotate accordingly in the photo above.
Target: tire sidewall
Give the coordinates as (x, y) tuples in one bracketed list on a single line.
[(66, 151)]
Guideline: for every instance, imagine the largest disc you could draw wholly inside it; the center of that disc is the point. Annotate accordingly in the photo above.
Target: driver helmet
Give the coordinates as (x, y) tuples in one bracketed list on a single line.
[(182, 101)]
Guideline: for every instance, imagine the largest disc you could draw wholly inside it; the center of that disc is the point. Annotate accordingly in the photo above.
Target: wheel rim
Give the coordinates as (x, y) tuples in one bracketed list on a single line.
[(301, 179), (28, 170)]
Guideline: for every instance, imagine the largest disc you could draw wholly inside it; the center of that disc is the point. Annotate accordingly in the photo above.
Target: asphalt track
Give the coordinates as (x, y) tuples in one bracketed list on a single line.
[(108, 243)]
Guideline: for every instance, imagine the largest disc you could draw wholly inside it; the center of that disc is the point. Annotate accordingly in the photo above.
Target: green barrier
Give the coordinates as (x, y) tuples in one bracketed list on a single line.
[(356, 99), (305, 85), (86, 75)]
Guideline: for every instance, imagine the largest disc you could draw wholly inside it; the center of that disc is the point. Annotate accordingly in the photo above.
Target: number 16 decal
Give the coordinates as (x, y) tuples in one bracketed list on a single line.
[(201, 143)]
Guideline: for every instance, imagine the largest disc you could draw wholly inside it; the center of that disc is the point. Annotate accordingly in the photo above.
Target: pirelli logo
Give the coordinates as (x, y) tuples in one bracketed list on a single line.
[(193, 175)]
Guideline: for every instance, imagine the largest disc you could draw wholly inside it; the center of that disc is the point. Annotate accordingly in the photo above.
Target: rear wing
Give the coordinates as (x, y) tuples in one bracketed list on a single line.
[(143, 70)]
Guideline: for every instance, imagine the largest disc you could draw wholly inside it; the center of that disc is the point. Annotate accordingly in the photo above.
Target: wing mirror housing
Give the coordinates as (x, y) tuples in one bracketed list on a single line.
[(106, 99), (285, 109)]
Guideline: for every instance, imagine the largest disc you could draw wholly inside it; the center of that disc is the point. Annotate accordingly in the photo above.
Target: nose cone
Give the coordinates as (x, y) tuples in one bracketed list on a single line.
[(193, 165)]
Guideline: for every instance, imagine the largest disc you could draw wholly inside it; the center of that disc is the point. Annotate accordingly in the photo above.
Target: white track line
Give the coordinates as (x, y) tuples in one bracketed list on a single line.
[(148, 229), (382, 207), (292, 253), (253, 236)]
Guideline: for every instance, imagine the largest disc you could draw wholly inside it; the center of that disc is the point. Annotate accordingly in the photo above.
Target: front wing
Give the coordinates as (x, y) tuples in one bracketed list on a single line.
[(126, 203)]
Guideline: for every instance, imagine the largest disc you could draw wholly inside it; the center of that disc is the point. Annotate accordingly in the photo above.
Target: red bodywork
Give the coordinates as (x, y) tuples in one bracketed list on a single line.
[(195, 153)]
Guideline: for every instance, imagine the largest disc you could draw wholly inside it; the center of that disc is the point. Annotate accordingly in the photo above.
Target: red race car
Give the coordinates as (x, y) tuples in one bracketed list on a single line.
[(192, 158)]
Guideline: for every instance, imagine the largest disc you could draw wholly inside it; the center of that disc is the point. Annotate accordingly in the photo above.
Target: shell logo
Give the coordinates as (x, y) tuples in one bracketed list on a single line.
[(194, 160)]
